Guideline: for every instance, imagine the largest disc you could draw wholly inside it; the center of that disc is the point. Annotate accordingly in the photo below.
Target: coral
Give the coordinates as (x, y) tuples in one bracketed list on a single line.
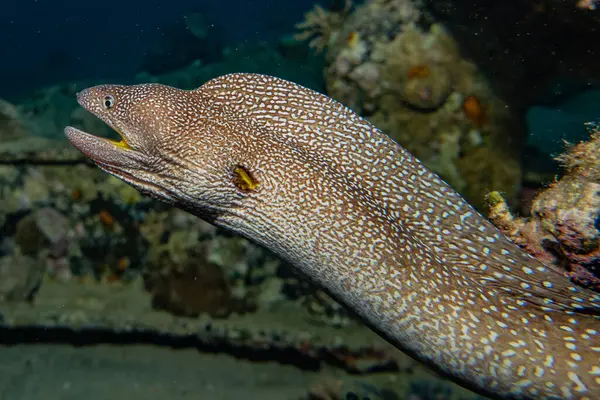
[(45, 228), (393, 63), (153, 226), (487, 169), (324, 309), (8, 174), (127, 194), (232, 253), (44, 235), (179, 245), (412, 69), (191, 271), (35, 186), (270, 293), (36, 198), (28, 236), (191, 290), (183, 281), (563, 230), (427, 92), (20, 276), (320, 25)]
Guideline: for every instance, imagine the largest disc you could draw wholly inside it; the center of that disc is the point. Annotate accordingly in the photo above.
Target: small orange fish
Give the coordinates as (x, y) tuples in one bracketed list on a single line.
[(107, 220), (474, 110)]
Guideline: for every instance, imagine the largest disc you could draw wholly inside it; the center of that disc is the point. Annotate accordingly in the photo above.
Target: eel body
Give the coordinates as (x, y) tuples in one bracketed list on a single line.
[(307, 178)]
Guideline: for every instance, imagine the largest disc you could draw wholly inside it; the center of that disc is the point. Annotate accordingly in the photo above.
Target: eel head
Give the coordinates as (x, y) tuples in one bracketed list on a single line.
[(171, 147)]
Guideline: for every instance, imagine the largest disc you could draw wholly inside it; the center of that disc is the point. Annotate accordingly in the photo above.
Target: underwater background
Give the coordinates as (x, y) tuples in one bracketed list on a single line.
[(107, 294)]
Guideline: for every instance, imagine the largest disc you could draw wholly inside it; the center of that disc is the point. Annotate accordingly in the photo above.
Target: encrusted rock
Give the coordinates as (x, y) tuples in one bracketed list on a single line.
[(394, 63), (564, 228), (43, 228), (20, 276), (198, 288)]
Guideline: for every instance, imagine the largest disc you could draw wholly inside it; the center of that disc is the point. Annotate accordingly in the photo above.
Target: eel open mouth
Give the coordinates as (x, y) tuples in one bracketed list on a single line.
[(120, 143), (99, 149)]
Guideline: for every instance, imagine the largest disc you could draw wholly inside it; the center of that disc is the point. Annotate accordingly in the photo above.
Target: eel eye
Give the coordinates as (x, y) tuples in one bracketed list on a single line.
[(108, 102)]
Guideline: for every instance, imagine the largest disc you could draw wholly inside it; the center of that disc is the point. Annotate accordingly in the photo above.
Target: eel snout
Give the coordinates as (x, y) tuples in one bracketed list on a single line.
[(103, 151)]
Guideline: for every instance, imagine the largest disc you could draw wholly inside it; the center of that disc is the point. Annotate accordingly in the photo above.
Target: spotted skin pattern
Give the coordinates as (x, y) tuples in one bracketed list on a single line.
[(361, 217)]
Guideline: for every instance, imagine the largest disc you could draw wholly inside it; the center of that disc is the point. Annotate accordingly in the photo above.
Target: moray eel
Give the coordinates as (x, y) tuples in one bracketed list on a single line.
[(307, 178)]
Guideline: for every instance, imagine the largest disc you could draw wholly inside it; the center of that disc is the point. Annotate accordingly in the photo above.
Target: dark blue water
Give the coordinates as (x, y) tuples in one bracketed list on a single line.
[(48, 41)]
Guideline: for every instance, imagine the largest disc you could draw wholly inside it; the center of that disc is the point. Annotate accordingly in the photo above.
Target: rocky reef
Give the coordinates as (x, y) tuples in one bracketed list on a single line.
[(563, 230), (392, 62)]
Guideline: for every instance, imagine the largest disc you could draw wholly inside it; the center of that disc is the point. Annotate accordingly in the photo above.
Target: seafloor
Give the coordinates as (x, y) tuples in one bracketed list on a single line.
[(105, 341)]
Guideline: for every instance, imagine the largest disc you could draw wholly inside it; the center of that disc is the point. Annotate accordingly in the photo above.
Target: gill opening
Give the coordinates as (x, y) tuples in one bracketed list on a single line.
[(244, 180)]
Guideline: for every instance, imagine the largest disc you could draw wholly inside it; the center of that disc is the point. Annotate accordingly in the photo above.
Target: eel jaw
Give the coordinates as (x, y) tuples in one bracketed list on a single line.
[(102, 151), (120, 160)]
